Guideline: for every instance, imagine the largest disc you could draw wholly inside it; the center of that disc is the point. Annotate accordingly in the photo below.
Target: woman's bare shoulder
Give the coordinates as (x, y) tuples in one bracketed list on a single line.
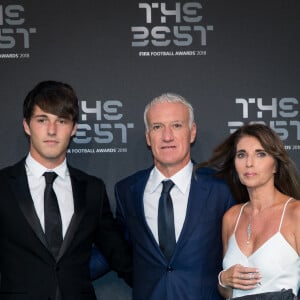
[(233, 211), (231, 216), (294, 209)]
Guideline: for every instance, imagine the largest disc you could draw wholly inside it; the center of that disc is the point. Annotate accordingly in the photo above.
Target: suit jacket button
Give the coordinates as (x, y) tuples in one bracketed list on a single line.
[(170, 269)]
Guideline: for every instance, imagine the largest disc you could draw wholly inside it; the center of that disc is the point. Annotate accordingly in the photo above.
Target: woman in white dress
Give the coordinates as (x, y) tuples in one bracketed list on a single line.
[(261, 236)]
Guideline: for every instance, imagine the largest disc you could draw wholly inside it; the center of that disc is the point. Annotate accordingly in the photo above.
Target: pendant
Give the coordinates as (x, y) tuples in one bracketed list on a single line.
[(249, 232)]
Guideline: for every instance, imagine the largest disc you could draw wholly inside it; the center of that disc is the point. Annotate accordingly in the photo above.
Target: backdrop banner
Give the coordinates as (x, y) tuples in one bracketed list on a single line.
[(235, 61)]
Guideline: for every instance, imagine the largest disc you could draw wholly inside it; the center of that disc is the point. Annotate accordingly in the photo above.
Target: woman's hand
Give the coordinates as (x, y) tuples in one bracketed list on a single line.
[(240, 277)]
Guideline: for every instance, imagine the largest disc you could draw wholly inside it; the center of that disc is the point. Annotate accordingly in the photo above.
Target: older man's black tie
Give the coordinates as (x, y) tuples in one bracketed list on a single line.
[(166, 229), (53, 223)]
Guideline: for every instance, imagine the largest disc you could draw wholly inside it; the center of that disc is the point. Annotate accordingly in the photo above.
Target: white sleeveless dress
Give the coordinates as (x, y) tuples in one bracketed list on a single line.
[(278, 262)]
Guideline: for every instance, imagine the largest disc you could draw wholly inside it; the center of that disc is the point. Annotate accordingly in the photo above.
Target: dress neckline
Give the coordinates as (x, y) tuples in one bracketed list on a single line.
[(278, 232), (264, 245)]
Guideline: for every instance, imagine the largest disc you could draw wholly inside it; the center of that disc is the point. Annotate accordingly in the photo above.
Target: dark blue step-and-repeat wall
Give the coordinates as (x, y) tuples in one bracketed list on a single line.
[(235, 61)]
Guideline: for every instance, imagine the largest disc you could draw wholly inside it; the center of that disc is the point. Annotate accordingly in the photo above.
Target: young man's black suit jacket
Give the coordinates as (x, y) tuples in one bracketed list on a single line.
[(28, 269)]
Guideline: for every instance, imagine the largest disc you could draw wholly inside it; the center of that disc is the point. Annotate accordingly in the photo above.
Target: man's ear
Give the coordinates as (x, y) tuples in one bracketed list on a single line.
[(193, 132), (26, 127), (74, 129), (148, 138)]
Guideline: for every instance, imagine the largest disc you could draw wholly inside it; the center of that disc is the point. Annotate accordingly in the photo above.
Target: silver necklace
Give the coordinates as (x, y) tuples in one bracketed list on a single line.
[(249, 227), (249, 232)]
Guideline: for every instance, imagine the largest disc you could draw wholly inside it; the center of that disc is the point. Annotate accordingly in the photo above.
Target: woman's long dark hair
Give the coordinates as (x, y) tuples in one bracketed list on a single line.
[(286, 178)]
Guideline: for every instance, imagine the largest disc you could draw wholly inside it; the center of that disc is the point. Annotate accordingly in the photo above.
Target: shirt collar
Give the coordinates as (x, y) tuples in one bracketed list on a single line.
[(38, 169), (179, 178)]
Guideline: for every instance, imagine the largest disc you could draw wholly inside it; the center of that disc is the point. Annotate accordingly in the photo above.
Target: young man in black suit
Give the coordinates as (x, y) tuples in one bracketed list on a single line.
[(40, 259)]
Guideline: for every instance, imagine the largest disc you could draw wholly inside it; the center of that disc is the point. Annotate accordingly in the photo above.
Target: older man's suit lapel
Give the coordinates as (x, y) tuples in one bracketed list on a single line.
[(137, 193), (199, 192), (198, 196)]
